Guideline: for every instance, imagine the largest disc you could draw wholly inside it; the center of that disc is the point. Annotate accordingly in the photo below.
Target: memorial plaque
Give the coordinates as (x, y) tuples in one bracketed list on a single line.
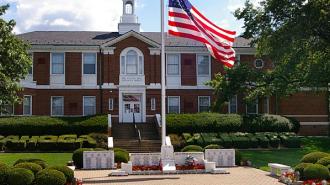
[(145, 159), (222, 157), (98, 160), (180, 157)]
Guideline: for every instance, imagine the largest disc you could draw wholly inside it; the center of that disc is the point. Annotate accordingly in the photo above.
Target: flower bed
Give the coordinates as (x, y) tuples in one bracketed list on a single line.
[(316, 182), (190, 167), (147, 168)]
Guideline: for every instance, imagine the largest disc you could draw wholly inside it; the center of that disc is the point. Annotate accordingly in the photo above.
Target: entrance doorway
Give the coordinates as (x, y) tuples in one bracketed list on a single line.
[(132, 108)]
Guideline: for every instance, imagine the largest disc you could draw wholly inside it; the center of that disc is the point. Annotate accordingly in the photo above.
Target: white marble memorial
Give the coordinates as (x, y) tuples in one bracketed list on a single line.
[(98, 160), (222, 157), (180, 157), (167, 157), (145, 159)]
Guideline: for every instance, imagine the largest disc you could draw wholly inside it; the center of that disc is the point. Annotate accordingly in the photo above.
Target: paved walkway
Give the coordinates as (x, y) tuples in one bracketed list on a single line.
[(237, 176)]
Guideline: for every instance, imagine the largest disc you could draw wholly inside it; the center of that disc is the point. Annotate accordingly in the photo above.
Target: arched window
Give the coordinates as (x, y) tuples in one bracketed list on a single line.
[(131, 62), (129, 8)]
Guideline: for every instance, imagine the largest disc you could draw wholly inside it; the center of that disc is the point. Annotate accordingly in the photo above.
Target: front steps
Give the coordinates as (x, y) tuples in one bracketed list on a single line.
[(125, 136)]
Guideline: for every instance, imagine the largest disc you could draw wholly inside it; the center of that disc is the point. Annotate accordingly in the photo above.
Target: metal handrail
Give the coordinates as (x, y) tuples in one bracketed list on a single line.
[(137, 130)]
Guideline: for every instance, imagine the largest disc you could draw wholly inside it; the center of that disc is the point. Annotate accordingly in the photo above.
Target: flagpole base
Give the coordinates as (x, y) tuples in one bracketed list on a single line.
[(167, 159)]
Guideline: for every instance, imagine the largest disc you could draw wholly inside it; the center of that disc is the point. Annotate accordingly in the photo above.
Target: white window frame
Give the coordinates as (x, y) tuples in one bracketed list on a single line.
[(84, 104), (123, 54), (51, 106), (51, 63), (83, 61), (229, 105), (203, 97), (255, 63), (153, 104), (267, 100), (179, 64), (257, 108), (30, 105), (168, 103), (111, 101), (197, 66)]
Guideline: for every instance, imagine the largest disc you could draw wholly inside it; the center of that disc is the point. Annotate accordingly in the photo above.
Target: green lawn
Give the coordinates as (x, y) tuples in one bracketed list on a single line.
[(50, 158), (291, 157)]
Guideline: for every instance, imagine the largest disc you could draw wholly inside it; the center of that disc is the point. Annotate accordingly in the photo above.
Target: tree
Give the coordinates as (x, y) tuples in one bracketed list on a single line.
[(14, 61), (295, 35)]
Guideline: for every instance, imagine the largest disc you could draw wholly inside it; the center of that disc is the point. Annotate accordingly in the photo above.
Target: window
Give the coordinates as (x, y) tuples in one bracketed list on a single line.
[(174, 104), (153, 103), (111, 104), (6, 110), (266, 105), (131, 62), (203, 65), (89, 61), (89, 105), (57, 106), (27, 105), (252, 107), (173, 64), (31, 67), (232, 106), (259, 63), (129, 8), (57, 63), (204, 104)]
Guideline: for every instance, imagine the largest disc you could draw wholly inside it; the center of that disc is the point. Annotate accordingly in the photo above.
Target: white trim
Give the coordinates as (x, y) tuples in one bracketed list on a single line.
[(209, 97), (209, 76), (168, 103), (129, 34), (111, 102), (307, 116), (51, 106), (179, 64), (257, 108), (30, 105), (137, 90), (61, 48), (229, 110), (314, 123), (82, 63), (124, 54), (84, 104), (51, 63), (153, 103)]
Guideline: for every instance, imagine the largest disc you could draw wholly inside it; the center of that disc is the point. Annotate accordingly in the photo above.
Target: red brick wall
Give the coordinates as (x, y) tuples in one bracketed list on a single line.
[(41, 68), (73, 68), (188, 70)]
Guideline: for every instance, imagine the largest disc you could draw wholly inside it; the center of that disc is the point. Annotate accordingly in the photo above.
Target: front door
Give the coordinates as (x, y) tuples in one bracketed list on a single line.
[(132, 109)]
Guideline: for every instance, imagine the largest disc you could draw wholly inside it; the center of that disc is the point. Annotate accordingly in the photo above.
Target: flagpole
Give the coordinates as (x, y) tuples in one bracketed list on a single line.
[(163, 74)]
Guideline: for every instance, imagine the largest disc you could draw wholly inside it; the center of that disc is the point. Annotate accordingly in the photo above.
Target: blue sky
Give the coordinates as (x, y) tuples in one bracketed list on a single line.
[(103, 15)]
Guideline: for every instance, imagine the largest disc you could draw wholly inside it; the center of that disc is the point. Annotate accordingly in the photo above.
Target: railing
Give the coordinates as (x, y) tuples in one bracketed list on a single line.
[(137, 130)]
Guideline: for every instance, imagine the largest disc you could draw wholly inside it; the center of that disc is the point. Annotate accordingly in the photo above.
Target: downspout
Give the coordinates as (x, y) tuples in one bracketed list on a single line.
[(101, 81)]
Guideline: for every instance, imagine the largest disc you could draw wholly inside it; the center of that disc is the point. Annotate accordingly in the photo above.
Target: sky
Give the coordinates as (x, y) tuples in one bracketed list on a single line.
[(104, 15)]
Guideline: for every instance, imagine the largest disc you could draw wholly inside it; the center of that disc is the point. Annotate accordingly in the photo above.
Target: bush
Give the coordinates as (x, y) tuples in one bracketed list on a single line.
[(313, 157), (211, 138), (40, 162), (35, 168), (101, 139), (198, 140), (254, 143), (15, 145), (31, 144), (325, 161), (68, 173), (300, 168), (68, 142), (41, 125), (212, 146), (274, 141), (177, 141), (227, 141), (238, 157), (240, 141), (3, 173), (20, 176), (263, 140), (78, 155), (121, 155), (50, 177), (188, 138), (87, 141), (47, 143), (192, 148), (316, 171), (291, 142)]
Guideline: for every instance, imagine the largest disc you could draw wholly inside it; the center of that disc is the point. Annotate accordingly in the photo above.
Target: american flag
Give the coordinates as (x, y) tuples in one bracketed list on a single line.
[(186, 21)]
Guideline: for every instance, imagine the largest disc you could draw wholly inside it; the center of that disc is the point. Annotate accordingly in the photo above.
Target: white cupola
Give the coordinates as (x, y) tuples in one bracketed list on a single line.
[(128, 21)]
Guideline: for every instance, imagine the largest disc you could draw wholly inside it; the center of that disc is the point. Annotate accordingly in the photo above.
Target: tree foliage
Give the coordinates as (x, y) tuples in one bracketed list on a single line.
[(14, 61), (295, 35)]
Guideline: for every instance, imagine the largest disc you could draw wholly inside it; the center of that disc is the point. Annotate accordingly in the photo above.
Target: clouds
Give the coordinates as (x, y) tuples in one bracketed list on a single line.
[(92, 15)]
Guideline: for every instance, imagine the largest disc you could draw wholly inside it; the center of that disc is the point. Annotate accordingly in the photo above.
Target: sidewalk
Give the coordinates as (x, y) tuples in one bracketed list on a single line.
[(237, 176)]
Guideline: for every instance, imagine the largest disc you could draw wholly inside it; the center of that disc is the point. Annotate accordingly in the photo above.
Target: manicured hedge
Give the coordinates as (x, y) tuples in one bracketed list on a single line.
[(192, 148), (50, 177), (214, 122), (68, 173), (314, 157), (316, 171), (35, 168), (20, 176), (41, 125), (121, 155)]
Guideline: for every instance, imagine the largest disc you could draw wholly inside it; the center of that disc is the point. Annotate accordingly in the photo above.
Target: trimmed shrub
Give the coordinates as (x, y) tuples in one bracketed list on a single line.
[(31, 144), (300, 168), (35, 168), (211, 138), (188, 138), (40, 162), (313, 157), (316, 171), (47, 143), (212, 146), (254, 143), (238, 157), (241, 142), (291, 142), (50, 177), (87, 141), (20, 176), (325, 161), (192, 148), (101, 139), (77, 156), (15, 145), (68, 142), (274, 141), (263, 140), (198, 140), (227, 141), (3, 173), (177, 141), (68, 173), (121, 155)]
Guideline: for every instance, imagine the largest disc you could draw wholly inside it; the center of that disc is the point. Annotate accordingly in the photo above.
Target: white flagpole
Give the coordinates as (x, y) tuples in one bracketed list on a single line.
[(163, 74)]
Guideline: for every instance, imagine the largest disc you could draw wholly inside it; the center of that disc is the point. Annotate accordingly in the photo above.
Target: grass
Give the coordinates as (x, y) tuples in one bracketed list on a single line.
[(291, 157), (50, 158)]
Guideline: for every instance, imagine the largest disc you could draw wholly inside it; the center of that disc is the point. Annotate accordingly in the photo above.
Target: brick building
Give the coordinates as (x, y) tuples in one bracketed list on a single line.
[(83, 73)]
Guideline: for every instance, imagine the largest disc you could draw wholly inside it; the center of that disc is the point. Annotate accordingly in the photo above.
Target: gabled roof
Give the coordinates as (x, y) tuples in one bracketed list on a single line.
[(132, 34), (91, 38)]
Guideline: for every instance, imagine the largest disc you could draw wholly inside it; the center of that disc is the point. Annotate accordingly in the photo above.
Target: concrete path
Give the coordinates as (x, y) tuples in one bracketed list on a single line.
[(237, 176)]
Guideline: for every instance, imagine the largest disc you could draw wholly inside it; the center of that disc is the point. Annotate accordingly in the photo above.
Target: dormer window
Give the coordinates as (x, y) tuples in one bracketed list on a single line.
[(131, 62), (128, 8)]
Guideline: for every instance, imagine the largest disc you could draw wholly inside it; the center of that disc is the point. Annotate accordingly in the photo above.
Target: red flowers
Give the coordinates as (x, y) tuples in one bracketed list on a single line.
[(190, 167), (147, 168), (315, 181)]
